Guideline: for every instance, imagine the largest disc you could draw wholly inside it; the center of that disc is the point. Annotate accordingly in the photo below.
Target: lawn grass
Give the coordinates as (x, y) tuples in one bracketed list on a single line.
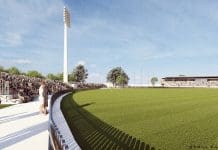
[(4, 105), (172, 119)]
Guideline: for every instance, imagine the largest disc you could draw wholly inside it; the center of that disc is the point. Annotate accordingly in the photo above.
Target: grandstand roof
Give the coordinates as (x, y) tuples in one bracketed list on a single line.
[(190, 78)]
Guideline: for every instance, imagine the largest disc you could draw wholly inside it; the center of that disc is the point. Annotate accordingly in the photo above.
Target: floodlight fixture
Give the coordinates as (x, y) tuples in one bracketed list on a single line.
[(66, 17)]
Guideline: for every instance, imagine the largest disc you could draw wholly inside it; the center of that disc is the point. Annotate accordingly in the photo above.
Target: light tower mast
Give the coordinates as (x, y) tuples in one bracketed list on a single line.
[(66, 25)]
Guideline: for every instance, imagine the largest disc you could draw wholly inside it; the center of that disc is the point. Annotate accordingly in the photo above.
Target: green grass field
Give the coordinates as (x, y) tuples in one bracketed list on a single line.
[(172, 119), (4, 105)]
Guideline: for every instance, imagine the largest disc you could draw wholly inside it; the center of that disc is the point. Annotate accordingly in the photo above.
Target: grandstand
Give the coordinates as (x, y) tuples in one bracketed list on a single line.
[(190, 81), (20, 88)]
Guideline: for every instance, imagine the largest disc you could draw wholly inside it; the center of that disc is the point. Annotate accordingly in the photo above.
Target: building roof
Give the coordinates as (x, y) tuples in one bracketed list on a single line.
[(192, 77)]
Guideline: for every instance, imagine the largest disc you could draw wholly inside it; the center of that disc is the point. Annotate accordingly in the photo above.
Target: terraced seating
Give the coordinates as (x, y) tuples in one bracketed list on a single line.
[(26, 88)]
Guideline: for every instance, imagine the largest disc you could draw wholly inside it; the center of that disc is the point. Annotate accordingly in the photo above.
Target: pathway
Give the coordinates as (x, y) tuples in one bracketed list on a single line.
[(22, 127)]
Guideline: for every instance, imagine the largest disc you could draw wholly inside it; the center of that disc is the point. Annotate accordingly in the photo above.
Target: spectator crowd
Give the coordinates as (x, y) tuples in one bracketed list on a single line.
[(26, 88), (89, 86)]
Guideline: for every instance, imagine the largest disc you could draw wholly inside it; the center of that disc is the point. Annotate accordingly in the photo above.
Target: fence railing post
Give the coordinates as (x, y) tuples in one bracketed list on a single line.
[(56, 139)]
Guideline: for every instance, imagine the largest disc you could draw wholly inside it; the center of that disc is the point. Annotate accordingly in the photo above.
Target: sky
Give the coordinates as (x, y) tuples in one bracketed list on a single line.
[(145, 37)]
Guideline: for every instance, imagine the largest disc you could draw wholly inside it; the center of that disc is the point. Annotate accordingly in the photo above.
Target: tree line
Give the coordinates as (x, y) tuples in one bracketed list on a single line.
[(79, 74), (117, 76)]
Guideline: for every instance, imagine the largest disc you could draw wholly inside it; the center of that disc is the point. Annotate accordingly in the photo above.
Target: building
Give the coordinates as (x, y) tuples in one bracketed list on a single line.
[(191, 81)]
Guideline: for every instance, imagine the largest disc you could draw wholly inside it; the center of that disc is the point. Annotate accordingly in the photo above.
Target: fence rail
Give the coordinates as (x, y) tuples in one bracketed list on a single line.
[(58, 128), (90, 132)]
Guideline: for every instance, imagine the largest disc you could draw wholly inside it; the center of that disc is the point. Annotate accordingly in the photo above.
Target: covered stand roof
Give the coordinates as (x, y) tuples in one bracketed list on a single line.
[(190, 78)]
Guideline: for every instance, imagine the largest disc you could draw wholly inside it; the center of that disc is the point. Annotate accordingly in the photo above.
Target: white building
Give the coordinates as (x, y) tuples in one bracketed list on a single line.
[(192, 81)]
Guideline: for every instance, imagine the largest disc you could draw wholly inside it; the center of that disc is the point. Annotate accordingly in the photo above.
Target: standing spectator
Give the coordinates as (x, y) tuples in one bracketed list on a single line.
[(43, 98)]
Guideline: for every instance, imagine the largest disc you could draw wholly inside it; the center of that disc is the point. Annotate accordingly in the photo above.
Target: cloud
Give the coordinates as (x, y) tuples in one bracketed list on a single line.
[(95, 75), (15, 62), (123, 35), (93, 65), (96, 78), (159, 56), (22, 61), (31, 23), (30, 31), (81, 62), (10, 39)]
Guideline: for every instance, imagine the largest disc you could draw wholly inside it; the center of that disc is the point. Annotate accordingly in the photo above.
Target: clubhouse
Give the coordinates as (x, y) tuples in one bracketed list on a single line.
[(190, 81)]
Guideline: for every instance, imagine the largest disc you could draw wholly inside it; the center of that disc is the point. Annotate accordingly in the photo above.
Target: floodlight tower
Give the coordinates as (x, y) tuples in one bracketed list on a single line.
[(66, 25)]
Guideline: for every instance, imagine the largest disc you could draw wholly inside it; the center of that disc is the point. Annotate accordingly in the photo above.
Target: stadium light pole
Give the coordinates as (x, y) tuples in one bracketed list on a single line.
[(66, 25)]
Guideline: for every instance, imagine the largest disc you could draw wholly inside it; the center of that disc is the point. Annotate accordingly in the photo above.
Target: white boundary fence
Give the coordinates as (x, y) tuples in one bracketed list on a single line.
[(60, 136)]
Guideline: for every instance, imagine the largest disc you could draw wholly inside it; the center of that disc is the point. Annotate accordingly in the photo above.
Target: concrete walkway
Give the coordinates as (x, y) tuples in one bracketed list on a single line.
[(22, 127)]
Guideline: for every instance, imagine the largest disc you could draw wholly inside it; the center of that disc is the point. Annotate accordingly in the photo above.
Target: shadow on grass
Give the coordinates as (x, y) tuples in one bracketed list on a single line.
[(87, 104), (92, 133)]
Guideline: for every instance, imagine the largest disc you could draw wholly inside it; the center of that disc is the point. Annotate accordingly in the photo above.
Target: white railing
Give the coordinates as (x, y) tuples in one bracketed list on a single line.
[(60, 136)]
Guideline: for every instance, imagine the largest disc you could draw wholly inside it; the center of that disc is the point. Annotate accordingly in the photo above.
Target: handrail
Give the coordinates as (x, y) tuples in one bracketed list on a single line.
[(56, 138)]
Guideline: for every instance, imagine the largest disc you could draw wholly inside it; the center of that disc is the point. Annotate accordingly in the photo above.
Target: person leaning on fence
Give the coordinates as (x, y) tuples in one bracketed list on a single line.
[(43, 98)]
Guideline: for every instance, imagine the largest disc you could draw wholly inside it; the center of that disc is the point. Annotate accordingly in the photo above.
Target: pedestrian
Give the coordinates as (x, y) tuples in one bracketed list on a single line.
[(43, 98)]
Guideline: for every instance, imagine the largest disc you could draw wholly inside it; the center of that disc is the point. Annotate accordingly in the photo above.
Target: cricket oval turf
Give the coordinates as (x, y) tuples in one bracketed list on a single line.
[(167, 118)]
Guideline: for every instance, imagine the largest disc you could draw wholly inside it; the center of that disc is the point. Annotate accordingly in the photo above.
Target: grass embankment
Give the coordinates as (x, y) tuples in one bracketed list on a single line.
[(172, 119)]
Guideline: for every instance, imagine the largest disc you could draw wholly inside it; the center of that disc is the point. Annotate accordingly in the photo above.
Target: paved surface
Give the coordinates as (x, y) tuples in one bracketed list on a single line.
[(22, 127)]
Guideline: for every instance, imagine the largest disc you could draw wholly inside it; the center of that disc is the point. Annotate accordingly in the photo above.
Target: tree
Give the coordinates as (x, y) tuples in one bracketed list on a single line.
[(13, 70), (60, 76), (2, 69), (52, 76), (34, 73), (117, 76), (121, 80), (113, 74), (23, 73), (79, 74), (72, 77), (154, 80)]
